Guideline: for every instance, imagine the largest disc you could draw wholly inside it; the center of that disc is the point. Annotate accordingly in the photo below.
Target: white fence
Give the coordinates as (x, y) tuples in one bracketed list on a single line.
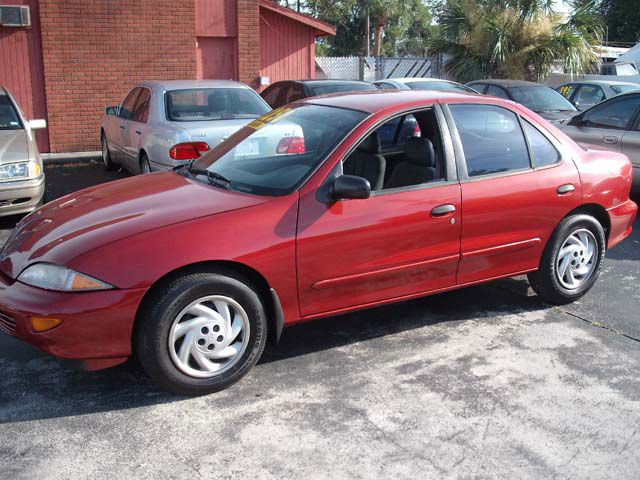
[(379, 68)]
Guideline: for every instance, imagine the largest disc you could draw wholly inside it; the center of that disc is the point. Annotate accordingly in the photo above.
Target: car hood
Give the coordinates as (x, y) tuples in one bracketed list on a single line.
[(13, 146), (91, 218)]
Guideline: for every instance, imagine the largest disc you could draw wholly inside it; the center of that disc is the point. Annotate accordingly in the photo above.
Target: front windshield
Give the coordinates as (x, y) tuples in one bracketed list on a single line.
[(624, 88), (541, 99), (9, 119), (439, 86), (327, 88), (200, 104), (275, 153)]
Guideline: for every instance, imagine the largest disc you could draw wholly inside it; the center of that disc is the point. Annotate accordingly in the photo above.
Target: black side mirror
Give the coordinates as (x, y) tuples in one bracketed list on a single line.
[(576, 120), (111, 110), (350, 187)]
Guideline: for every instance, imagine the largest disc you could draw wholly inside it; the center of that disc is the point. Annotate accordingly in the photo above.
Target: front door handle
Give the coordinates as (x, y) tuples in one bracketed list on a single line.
[(441, 210), (138, 131), (610, 139), (121, 127), (564, 189)]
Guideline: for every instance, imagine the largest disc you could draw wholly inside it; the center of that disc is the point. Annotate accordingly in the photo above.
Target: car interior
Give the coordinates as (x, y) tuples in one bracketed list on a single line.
[(412, 156), (8, 117)]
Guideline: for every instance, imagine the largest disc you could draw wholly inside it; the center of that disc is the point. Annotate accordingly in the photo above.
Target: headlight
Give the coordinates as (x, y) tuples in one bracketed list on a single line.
[(12, 171), (55, 277)]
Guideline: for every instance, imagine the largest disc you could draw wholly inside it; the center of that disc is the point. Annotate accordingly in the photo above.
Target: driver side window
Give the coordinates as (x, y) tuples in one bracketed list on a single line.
[(615, 115), (128, 106), (404, 151)]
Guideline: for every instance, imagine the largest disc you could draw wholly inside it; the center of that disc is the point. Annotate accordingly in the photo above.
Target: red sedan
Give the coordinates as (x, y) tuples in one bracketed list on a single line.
[(304, 214)]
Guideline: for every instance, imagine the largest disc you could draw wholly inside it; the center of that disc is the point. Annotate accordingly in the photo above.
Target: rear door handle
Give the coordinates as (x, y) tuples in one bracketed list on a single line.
[(564, 189), (138, 131), (121, 127), (441, 210), (611, 140)]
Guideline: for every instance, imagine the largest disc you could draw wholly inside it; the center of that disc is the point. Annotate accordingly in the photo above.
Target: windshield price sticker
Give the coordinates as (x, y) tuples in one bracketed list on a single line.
[(270, 117)]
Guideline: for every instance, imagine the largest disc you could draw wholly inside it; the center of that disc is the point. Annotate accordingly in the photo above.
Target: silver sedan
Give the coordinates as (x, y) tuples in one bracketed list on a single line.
[(585, 94), (21, 174), (163, 124)]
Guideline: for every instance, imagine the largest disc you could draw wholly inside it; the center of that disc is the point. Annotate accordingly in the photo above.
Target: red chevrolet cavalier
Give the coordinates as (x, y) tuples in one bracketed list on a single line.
[(325, 206)]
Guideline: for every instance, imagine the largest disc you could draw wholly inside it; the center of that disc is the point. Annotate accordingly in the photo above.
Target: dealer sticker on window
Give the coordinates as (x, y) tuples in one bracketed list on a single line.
[(277, 114)]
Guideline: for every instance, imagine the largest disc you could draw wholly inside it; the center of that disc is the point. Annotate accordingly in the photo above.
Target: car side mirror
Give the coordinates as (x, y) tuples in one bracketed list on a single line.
[(350, 187), (37, 124), (111, 110), (577, 121)]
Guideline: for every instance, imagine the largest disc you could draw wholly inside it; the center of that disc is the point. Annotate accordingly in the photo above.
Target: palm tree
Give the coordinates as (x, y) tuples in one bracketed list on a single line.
[(518, 39)]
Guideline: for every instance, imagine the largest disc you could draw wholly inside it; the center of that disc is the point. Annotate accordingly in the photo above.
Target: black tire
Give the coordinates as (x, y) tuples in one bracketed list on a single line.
[(106, 155), (145, 166), (545, 281), (157, 317)]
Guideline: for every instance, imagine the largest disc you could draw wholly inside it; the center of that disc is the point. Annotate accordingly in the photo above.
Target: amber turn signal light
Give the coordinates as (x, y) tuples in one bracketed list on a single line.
[(42, 324)]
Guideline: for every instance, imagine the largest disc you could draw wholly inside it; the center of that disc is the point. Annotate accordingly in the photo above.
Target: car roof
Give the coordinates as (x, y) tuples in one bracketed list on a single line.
[(414, 79), (372, 101), (324, 81), (508, 83), (601, 82), (186, 84)]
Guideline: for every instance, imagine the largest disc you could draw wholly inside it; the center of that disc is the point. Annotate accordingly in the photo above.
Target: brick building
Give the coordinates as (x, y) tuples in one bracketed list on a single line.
[(78, 56)]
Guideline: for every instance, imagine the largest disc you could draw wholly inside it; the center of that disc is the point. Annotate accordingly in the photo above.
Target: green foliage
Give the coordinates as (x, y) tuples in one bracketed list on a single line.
[(519, 39), (622, 19), (404, 25)]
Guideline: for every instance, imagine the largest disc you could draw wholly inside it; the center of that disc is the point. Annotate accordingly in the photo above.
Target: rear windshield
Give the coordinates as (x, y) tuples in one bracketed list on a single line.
[(439, 86), (9, 119), (275, 153), (325, 89), (624, 88), (200, 104), (541, 99)]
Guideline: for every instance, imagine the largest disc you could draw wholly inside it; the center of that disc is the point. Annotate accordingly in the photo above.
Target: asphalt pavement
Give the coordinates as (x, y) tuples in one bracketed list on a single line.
[(485, 382)]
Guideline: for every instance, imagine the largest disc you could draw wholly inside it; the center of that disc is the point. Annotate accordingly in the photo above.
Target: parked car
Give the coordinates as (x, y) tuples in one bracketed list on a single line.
[(413, 83), (613, 124), (587, 93), (163, 124), (21, 174), (282, 93), (193, 269), (287, 91), (543, 100)]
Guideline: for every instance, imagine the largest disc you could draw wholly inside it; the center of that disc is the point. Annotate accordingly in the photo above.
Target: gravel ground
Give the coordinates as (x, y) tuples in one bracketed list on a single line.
[(485, 382)]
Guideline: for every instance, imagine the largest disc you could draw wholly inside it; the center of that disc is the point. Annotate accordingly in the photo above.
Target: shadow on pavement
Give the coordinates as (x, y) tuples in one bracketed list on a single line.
[(34, 386)]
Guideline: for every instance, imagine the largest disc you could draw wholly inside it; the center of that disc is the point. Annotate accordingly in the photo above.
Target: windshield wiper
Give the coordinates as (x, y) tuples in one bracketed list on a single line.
[(214, 178)]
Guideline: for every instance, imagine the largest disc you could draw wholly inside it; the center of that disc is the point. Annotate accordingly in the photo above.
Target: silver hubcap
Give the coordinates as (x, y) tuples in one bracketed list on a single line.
[(209, 336), (105, 151), (146, 168), (577, 259)]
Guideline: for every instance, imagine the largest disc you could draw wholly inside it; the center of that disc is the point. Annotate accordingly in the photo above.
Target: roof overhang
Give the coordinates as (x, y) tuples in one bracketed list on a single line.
[(321, 29)]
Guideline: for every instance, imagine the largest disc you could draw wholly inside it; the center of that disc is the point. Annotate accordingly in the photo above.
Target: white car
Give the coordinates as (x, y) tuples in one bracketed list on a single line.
[(417, 83), (21, 173), (163, 124)]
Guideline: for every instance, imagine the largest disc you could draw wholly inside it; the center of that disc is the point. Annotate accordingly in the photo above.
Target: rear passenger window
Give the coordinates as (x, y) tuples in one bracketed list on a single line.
[(497, 92), (543, 152), (492, 139)]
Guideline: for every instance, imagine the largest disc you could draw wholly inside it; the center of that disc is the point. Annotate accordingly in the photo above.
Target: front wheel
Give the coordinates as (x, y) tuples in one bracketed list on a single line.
[(571, 261), (201, 333), (106, 154)]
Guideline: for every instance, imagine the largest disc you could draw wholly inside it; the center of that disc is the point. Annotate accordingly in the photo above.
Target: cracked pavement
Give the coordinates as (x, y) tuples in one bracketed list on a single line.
[(485, 382)]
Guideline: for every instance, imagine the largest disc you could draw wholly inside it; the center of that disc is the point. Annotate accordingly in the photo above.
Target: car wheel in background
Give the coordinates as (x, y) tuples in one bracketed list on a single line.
[(571, 261), (201, 332), (106, 155), (145, 166)]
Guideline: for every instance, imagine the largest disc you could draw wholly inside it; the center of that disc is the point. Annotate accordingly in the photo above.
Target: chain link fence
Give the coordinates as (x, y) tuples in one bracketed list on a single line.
[(379, 68)]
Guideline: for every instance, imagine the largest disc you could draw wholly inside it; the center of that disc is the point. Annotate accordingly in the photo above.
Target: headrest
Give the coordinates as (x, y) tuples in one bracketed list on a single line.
[(217, 102), (371, 144), (419, 151)]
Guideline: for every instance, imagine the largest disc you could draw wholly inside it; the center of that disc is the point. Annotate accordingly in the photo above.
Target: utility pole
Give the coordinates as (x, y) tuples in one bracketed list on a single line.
[(367, 35)]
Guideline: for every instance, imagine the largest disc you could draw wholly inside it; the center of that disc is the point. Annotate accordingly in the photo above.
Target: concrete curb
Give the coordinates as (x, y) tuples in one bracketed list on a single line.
[(74, 157)]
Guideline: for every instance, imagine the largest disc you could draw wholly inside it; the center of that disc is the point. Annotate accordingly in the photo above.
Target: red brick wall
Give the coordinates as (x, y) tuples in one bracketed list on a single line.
[(94, 51), (249, 42)]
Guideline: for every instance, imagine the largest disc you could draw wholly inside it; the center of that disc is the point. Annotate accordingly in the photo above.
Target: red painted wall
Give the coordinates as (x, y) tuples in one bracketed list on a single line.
[(286, 48), (216, 58), (21, 68), (94, 52)]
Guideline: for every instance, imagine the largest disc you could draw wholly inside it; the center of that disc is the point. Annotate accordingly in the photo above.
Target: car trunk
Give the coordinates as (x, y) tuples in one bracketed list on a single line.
[(212, 131)]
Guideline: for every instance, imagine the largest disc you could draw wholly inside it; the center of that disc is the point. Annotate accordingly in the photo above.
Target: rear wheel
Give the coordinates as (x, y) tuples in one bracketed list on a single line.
[(201, 333), (106, 155), (571, 261), (145, 166)]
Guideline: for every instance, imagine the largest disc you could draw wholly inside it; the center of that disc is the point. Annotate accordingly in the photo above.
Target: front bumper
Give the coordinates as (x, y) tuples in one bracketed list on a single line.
[(21, 197), (622, 218), (96, 326)]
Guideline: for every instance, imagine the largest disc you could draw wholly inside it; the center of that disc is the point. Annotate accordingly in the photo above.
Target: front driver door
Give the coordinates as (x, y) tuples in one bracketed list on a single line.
[(391, 245)]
